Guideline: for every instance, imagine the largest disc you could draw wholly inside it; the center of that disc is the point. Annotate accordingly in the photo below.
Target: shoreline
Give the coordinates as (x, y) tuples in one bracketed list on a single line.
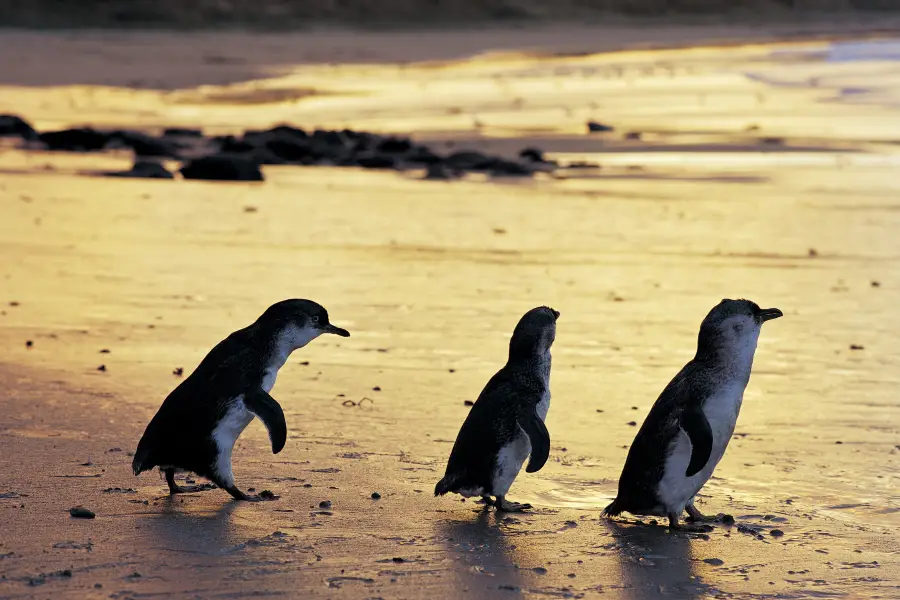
[(171, 59)]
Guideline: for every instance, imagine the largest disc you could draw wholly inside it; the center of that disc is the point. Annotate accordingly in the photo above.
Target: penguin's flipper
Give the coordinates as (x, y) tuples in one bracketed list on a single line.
[(264, 406), (540, 441), (696, 426)]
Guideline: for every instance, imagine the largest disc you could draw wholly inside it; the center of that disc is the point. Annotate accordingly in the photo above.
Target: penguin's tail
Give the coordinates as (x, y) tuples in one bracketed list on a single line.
[(444, 485), (141, 460), (615, 508)]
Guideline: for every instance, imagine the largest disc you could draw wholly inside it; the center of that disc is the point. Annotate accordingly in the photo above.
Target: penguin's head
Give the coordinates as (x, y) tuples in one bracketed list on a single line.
[(534, 334), (734, 325), (298, 322)]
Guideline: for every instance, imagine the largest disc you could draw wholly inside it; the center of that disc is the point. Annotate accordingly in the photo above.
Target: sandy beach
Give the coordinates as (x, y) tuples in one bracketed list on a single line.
[(764, 170)]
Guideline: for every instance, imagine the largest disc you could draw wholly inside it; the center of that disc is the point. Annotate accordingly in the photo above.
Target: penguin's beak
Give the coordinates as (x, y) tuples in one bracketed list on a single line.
[(335, 330), (767, 314)]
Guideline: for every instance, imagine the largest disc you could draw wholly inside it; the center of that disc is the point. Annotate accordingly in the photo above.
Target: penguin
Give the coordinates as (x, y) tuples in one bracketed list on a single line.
[(198, 423), (506, 424), (689, 426)]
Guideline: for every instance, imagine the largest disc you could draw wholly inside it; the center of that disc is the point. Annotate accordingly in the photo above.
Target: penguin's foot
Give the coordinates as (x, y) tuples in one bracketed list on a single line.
[(189, 489), (263, 496), (504, 505), (695, 516), (174, 488), (688, 527), (487, 501)]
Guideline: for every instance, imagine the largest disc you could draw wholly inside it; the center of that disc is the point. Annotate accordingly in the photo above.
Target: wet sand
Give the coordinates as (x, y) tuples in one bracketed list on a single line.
[(766, 172)]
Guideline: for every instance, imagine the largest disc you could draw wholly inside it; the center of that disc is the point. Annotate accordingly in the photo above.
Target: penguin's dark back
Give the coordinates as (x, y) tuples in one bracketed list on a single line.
[(491, 422), (645, 463), (181, 430)]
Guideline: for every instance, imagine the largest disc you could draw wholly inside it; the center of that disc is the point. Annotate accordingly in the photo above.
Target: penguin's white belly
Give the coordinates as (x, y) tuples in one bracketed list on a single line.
[(509, 462), (675, 489), (513, 455), (226, 433)]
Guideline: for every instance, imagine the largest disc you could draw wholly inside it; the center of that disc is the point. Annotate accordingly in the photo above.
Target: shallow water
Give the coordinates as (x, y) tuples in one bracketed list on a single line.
[(430, 278)]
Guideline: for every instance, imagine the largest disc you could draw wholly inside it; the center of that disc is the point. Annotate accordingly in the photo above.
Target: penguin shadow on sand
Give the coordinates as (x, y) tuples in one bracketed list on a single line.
[(653, 563), (178, 529), (482, 554)]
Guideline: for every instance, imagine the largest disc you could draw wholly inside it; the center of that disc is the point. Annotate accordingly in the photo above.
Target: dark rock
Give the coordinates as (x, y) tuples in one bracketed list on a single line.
[(15, 126), (101, 368), (532, 154), (376, 161), (727, 520), (325, 504), (716, 562), (857, 347), (178, 371), (223, 167), (143, 144), (334, 139), (80, 512), (29, 343), (468, 403), (398, 559), (233, 145), (268, 495), (508, 168), (182, 132), (376, 496), (776, 533), (580, 164), (633, 135), (595, 127), (288, 131), (83, 139), (146, 169), (469, 161), (290, 150), (395, 145), (439, 171), (422, 155)]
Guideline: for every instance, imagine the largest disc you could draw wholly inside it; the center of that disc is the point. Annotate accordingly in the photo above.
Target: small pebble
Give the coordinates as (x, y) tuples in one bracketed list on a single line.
[(29, 343), (66, 572), (267, 495), (776, 533), (179, 371), (856, 347), (632, 423), (325, 504), (714, 561), (397, 559), (813, 252), (876, 284), (376, 496), (468, 403), (135, 574), (376, 388), (540, 570), (80, 512), (101, 368), (727, 520)]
